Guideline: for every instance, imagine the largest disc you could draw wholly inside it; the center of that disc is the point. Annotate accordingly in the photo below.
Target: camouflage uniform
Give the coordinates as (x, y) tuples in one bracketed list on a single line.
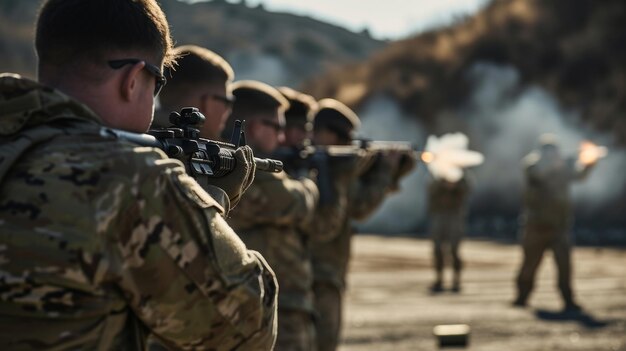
[(447, 212), (359, 198), (547, 221), (102, 242), (271, 218)]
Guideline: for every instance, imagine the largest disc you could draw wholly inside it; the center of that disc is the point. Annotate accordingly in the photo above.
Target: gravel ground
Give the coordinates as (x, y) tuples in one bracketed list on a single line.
[(389, 307)]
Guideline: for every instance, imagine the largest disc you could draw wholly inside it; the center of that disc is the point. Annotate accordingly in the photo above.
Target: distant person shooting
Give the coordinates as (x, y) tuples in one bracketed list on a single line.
[(547, 213)]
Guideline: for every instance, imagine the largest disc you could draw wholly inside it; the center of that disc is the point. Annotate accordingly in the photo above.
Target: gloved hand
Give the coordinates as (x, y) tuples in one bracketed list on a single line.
[(407, 162), (236, 182)]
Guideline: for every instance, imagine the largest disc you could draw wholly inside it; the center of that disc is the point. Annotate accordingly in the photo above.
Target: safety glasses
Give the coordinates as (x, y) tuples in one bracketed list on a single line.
[(152, 69), (274, 125)]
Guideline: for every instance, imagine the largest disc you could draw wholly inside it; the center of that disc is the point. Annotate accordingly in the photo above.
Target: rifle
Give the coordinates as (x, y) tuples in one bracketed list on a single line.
[(404, 147), (201, 157), (300, 161)]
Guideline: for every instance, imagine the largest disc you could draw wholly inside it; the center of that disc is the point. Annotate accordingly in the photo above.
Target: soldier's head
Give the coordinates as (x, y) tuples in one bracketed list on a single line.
[(200, 79), (299, 117), (334, 123), (108, 54), (549, 146), (262, 107)]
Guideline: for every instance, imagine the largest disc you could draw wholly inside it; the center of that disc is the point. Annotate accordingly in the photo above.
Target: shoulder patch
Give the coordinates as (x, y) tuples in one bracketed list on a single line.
[(194, 192)]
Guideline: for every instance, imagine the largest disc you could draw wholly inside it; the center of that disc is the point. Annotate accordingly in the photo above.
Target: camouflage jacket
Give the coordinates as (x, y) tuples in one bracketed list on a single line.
[(271, 218), (448, 197), (359, 198), (546, 198), (102, 242)]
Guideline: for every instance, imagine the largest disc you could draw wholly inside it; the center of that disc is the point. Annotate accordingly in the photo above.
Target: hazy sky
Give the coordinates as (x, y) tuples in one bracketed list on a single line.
[(386, 19)]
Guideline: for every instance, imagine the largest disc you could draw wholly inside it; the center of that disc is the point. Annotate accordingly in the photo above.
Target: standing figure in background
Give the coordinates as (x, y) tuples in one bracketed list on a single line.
[(447, 205), (360, 190), (547, 216)]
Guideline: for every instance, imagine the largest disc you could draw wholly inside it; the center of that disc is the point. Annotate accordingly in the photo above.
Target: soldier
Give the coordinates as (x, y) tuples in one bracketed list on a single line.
[(298, 118), (101, 241), (274, 213), (201, 79), (359, 195), (447, 204), (547, 218)]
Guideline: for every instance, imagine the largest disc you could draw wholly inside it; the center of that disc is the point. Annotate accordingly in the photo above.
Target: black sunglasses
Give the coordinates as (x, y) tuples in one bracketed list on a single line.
[(277, 126), (229, 101), (152, 69)]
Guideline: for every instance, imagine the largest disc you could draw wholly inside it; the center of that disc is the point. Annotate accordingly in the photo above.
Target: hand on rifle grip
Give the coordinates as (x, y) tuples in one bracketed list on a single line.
[(240, 178)]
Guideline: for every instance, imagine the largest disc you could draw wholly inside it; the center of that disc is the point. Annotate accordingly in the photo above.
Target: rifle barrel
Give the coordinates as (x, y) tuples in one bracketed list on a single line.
[(268, 165)]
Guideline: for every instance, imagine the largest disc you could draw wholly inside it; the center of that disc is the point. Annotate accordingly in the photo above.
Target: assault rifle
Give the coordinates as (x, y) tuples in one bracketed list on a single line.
[(202, 157), (403, 147), (300, 161)]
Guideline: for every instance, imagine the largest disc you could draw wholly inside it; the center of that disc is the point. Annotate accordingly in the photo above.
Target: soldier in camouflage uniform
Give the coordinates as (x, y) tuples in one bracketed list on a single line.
[(447, 205), (101, 241), (359, 195), (547, 218), (201, 79), (298, 118), (274, 213)]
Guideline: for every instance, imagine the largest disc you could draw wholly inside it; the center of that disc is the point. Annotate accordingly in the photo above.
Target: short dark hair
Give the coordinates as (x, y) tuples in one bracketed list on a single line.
[(194, 67), (336, 117), (70, 31), (252, 97), (301, 108)]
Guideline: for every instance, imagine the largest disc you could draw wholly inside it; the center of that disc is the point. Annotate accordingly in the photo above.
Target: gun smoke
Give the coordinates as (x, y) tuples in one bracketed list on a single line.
[(503, 119), (262, 67), (404, 210)]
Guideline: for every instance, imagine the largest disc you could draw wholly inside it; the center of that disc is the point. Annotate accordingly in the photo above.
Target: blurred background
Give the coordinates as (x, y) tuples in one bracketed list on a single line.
[(503, 72)]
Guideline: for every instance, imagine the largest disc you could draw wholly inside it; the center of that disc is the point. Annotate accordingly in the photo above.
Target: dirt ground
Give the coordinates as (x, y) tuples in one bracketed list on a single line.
[(389, 306)]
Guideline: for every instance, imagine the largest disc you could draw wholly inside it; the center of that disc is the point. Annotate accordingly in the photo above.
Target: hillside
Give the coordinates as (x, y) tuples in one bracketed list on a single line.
[(279, 48), (575, 49)]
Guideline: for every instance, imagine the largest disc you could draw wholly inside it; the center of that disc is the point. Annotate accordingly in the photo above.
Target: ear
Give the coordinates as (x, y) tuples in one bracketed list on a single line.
[(131, 83)]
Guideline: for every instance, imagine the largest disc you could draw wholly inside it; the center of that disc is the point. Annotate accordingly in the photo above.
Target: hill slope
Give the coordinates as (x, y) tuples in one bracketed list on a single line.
[(576, 49), (279, 48)]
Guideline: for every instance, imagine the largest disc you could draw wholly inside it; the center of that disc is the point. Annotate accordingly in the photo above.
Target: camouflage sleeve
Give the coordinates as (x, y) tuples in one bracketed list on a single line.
[(370, 189), (532, 173), (407, 162), (186, 274), (329, 218), (274, 198), (217, 194)]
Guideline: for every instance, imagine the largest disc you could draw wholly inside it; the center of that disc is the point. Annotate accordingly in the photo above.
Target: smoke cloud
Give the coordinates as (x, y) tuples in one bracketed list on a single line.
[(505, 121), (262, 67), (405, 210)]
